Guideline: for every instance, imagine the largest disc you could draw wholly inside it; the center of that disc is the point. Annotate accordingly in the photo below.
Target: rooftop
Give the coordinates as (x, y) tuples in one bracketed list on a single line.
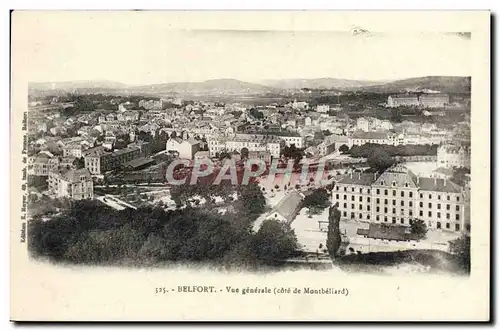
[(289, 205)]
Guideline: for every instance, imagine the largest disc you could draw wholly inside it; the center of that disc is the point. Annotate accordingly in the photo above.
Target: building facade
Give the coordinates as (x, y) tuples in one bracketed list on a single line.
[(450, 156), (398, 196), (74, 184)]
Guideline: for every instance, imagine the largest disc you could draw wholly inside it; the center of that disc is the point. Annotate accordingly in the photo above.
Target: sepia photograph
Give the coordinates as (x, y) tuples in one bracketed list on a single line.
[(190, 147)]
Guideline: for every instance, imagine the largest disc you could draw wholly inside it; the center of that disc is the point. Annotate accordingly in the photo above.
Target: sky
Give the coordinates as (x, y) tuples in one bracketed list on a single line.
[(153, 49)]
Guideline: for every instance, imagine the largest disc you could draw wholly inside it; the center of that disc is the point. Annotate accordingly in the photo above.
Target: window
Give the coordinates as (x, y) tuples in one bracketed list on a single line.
[(378, 200), (458, 199), (402, 194), (377, 218), (368, 199), (360, 216), (448, 197), (457, 217), (430, 213), (457, 208), (406, 185), (438, 225), (439, 215), (439, 197), (337, 196), (421, 196), (457, 227), (393, 183), (393, 220), (378, 191), (345, 205), (352, 215), (352, 206), (447, 216), (382, 182), (393, 193), (352, 197), (394, 210), (402, 221), (402, 203), (410, 213), (378, 209), (338, 187), (439, 206), (385, 192), (345, 214), (368, 191), (410, 203), (385, 210), (430, 205), (368, 216), (421, 213), (360, 190), (385, 201), (368, 207), (447, 207), (360, 199), (352, 189), (393, 202), (385, 218), (360, 207), (430, 196), (447, 225), (421, 204)]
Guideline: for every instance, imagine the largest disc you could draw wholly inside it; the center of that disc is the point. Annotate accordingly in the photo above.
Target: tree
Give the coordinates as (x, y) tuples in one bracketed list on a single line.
[(333, 239), (275, 241), (418, 228), (318, 200), (380, 160), (460, 176), (343, 149), (461, 248)]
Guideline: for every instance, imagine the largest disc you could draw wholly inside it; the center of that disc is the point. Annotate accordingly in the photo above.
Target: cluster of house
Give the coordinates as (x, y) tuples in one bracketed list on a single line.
[(425, 100)]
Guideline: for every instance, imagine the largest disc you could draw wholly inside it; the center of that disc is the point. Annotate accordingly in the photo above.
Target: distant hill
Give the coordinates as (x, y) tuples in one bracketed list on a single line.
[(318, 83), (76, 85), (208, 87), (446, 84)]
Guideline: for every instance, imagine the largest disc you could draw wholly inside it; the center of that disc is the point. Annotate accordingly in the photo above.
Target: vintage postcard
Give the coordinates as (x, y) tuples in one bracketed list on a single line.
[(250, 166)]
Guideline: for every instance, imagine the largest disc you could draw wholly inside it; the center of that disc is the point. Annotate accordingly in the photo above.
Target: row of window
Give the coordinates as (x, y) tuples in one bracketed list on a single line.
[(410, 193), (410, 212), (402, 220)]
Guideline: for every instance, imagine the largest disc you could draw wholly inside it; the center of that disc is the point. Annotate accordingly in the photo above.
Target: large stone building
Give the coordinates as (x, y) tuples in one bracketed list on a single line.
[(426, 100), (450, 156), (71, 183), (398, 195), (98, 160), (435, 100), (257, 143), (406, 100)]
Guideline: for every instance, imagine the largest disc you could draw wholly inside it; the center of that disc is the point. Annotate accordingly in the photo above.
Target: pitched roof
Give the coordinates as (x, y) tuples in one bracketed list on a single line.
[(438, 185), (385, 231), (359, 178), (74, 175), (289, 205), (399, 175), (368, 135)]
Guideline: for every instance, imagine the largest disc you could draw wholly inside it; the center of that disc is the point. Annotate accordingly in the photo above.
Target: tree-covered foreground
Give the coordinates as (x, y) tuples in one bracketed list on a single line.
[(91, 233)]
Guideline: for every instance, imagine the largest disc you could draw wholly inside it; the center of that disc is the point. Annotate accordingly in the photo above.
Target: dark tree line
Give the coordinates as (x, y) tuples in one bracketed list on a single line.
[(90, 233)]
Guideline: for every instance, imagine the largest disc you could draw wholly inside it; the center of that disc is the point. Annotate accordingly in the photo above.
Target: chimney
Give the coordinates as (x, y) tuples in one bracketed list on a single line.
[(444, 182), (359, 175), (350, 175), (435, 181)]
